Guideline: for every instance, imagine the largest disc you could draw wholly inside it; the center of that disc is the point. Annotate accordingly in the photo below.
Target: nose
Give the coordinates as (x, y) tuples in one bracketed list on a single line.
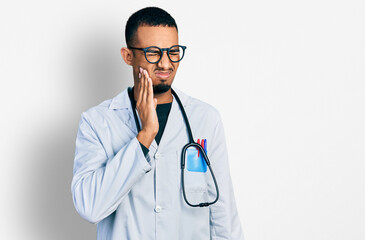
[(165, 62)]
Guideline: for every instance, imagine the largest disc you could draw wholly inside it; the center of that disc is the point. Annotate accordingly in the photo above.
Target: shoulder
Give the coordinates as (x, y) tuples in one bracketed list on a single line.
[(197, 107), (106, 108), (97, 111)]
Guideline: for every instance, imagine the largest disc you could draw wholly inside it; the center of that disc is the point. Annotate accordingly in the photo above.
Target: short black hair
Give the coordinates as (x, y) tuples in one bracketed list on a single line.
[(149, 16)]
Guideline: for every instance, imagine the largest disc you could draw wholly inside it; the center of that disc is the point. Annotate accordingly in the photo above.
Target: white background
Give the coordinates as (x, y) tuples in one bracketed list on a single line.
[(286, 76)]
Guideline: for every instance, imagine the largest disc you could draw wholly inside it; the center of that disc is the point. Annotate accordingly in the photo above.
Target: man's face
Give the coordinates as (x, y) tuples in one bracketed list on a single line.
[(163, 72)]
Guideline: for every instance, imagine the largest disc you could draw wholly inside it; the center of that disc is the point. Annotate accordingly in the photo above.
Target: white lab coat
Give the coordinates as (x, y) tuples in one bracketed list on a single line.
[(131, 196)]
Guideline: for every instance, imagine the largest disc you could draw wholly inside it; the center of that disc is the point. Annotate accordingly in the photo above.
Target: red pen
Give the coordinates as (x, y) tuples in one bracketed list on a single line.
[(202, 143)]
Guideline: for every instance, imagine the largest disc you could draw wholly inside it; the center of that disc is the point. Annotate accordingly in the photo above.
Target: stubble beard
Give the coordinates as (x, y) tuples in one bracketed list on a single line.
[(161, 88)]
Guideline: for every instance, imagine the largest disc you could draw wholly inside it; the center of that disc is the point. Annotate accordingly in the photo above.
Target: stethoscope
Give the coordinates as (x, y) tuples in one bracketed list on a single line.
[(183, 153)]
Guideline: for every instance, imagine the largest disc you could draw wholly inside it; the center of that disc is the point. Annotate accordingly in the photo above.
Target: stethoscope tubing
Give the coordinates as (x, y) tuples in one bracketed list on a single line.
[(191, 143), (194, 144)]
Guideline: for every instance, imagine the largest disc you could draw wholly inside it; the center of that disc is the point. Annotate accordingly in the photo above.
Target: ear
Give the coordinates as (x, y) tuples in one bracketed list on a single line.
[(127, 55)]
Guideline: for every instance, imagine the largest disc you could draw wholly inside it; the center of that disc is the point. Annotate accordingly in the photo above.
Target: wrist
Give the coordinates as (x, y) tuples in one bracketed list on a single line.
[(146, 137)]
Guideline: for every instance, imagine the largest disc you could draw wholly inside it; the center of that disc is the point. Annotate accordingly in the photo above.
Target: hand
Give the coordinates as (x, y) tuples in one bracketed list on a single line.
[(146, 107)]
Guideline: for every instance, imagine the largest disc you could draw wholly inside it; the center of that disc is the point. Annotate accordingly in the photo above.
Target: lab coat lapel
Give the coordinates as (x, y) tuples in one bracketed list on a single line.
[(153, 144), (121, 101)]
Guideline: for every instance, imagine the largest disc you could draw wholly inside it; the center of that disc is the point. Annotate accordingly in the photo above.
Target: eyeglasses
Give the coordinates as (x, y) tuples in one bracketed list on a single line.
[(154, 54)]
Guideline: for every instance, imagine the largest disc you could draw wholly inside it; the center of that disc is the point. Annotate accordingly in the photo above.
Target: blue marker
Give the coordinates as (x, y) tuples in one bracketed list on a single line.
[(205, 145)]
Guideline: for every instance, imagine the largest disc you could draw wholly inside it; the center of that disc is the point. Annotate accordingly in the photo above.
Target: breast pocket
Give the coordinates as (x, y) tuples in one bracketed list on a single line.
[(195, 174)]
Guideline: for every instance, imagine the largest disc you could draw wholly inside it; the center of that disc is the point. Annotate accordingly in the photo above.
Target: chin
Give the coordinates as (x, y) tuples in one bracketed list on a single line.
[(161, 88)]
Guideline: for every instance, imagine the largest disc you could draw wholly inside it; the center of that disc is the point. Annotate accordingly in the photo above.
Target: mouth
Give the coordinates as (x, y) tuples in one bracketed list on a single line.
[(163, 75)]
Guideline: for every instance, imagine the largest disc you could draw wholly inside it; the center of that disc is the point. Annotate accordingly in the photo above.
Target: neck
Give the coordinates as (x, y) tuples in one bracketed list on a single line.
[(165, 97)]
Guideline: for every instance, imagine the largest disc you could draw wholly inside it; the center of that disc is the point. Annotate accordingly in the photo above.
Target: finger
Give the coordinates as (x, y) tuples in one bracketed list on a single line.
[(139, 75), (139, 81), (150, 91), (145, 87), (155, 102), (152, 99), (146, 72), (148, 83), (140, 87)]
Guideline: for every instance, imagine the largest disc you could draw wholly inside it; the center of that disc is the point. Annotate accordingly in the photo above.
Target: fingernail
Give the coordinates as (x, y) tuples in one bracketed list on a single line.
[(140, 69), (145, 72), (139, 75)]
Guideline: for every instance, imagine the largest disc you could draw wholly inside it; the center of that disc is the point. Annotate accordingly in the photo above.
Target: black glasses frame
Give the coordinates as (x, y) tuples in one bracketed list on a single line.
[(161, 51)]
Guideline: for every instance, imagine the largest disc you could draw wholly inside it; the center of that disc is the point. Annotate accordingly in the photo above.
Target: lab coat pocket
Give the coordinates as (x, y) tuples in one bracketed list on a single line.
[(195, 183)]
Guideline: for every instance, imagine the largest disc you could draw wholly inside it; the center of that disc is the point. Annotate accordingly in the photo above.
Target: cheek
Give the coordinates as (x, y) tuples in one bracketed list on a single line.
[(175, 69), (176, 66), (150, 72), (144, 66)]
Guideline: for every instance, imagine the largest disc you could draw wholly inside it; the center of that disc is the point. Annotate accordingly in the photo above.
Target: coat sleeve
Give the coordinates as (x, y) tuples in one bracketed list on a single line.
[(224, 219), (100, 183)]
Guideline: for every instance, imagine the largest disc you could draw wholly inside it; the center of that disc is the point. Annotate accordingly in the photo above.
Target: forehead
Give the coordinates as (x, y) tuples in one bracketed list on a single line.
[(159, 36)]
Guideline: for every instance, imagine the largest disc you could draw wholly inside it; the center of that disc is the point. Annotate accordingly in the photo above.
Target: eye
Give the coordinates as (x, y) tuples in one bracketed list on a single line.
[(153, 52), (174, 52)]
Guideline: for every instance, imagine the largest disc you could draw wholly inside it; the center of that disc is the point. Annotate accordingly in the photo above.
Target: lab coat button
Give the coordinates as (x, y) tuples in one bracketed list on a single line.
[(157, 155), (158, 209)]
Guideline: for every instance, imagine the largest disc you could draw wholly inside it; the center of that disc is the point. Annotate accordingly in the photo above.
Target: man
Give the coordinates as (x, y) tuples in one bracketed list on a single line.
[(129, 181)]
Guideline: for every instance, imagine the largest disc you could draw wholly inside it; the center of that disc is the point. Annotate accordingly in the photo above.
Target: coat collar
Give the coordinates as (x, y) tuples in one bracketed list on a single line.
[(121, 101)]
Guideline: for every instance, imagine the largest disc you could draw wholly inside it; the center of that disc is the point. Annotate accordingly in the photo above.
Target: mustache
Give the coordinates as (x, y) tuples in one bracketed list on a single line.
[(163, 70)]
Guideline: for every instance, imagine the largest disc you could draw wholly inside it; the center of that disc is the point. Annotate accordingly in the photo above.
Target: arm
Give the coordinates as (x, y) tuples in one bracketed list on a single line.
[(100, 184), (224, 219)]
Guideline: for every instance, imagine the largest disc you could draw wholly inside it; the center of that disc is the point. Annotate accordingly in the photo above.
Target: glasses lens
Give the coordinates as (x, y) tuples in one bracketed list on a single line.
[(176, 53), (153, 54)]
